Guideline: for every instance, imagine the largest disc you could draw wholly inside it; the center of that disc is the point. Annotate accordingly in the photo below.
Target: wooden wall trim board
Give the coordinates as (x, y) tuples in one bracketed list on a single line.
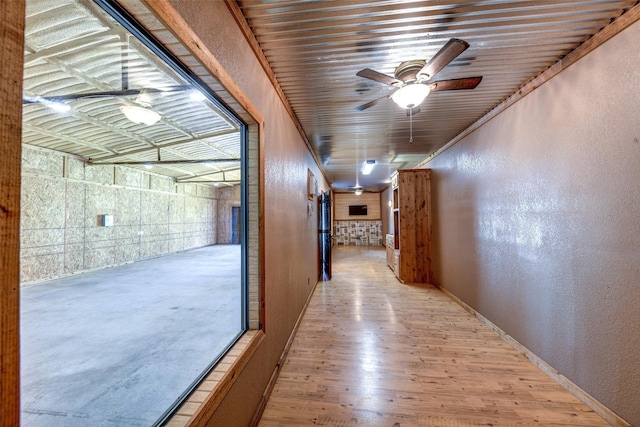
[(11, 57), (607, 414), (261, 232), (608, 32)]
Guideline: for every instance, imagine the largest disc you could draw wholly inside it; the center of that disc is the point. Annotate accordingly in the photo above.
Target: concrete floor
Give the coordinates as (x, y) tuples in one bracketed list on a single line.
[(117, 347)]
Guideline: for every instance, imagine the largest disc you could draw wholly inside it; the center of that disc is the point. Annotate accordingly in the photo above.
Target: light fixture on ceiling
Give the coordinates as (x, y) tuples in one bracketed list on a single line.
[(140, 111), (358, 191), (196, 95), (368, 167), (411, 95), (140, 114), (58, 106)]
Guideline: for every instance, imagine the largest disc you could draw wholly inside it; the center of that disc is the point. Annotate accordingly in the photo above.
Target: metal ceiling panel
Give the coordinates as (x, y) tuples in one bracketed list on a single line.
[(78, 56), (315, 49)]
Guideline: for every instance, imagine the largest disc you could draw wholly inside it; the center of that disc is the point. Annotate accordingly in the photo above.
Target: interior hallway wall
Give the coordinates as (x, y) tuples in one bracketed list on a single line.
[(290, 218), (63, 201), (536, 222)]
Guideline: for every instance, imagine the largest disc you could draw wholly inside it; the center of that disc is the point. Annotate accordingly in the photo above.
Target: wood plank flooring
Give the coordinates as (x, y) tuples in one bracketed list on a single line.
[(371, 351)]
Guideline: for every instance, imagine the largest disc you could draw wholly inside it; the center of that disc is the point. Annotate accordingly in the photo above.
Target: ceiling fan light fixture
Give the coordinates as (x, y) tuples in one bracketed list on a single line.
[(140, 115), (358, 191), (411, 95)]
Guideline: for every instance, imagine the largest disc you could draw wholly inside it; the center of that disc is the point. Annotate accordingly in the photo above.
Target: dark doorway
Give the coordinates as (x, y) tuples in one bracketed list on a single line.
[(324, 230), (235, 225)]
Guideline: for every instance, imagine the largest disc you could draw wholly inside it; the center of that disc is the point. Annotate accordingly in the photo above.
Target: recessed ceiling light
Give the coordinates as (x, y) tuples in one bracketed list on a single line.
[(368, 167)]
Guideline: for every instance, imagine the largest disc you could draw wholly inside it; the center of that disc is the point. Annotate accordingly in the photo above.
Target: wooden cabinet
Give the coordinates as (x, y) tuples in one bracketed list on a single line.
[(412, 225), (390, 249)]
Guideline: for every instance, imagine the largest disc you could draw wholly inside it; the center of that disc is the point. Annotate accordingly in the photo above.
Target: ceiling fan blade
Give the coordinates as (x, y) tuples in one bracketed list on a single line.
[(370, 74), (107, 94), (456, 84), (445, 55), (372, 103)]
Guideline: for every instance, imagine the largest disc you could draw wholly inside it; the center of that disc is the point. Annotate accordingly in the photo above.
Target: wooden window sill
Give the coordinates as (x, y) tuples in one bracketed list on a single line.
[(208, 395)]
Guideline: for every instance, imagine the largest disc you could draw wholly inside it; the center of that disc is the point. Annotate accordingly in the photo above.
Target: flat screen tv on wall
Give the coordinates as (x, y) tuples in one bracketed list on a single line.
[(357, 210)]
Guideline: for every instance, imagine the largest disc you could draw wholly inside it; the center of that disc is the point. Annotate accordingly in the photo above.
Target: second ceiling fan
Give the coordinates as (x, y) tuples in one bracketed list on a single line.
[(414, 78)]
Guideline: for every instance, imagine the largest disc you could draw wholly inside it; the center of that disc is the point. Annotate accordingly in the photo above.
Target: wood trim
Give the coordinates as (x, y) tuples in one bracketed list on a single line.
[(274, 376), (598, 39), (11, 57), (235, 10), (229, 372), (261, 226), (607, 414), (166, 13)]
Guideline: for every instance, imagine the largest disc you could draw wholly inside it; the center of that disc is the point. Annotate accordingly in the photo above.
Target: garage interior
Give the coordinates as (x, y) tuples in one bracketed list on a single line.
[(131, 262)]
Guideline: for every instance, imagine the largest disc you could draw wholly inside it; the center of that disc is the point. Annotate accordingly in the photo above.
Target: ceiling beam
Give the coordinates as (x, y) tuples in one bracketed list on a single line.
[(68, 138), (164, 162), (173, 144)]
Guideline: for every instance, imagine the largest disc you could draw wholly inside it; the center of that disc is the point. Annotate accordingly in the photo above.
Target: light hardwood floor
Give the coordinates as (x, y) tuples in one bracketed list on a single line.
[(371, 351)]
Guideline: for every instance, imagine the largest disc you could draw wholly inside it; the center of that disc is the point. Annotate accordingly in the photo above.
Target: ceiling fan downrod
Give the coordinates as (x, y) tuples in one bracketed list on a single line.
[(410, 125)]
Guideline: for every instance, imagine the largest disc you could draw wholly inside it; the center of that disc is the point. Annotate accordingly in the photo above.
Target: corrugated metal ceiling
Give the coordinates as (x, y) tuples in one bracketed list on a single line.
[(315, 49), (75, 53)]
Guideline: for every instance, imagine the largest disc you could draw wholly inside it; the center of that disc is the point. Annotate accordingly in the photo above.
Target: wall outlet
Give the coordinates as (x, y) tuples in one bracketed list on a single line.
[(105, 220)]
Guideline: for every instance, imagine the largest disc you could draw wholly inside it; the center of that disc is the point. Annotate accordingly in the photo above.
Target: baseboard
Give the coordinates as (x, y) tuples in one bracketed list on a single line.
[(607, 414), (276, 372)]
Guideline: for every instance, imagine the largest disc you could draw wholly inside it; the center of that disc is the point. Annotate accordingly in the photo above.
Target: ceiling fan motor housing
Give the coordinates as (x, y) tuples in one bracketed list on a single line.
[(408, 70)]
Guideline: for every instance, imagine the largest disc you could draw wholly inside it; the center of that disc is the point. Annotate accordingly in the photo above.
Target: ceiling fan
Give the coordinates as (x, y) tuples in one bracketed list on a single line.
[(138, 111), (414, 78)]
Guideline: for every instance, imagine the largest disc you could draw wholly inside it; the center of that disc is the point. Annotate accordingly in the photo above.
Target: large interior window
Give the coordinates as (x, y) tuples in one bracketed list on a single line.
[(133, 223)]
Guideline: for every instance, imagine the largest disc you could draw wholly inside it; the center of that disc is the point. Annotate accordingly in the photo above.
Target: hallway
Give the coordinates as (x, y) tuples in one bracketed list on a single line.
[(371, 351)]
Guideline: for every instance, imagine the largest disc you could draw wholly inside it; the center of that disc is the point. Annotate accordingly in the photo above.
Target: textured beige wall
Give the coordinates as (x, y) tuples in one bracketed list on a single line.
[(291, 234), (62, 201), (536, 222)]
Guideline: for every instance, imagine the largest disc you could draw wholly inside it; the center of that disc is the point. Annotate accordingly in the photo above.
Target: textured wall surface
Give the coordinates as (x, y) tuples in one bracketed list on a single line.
[(536, 222), (63, 201)]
